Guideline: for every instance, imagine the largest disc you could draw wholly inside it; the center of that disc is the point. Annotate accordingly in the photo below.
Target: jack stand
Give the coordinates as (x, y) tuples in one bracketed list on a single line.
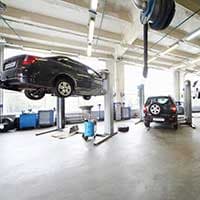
[(60, 117), (188, 105), (141, 102)]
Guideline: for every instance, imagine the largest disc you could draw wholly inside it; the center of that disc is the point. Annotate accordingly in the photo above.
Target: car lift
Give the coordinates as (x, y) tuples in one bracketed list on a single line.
[(187, 105), (108, 112), (141, 103)]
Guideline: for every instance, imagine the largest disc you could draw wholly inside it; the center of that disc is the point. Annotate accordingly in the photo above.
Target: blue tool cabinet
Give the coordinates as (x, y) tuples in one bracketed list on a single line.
[(28, 120)]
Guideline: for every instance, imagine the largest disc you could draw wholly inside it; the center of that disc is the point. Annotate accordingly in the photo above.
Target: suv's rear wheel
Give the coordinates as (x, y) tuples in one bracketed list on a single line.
[(64, 88), (35, 94), (147, 124)]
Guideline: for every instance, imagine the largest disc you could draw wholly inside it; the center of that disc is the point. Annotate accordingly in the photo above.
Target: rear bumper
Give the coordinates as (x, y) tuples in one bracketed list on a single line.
[(13, 83), (166, 119)]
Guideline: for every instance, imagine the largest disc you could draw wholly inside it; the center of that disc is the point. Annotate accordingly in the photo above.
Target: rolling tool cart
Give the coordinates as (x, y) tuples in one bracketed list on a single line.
[(45, 118), (28, 120)]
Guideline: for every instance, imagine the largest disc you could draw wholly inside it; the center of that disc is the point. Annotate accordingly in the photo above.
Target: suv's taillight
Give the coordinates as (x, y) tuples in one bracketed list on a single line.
[(145, 109), (28, 60), (173, 108)]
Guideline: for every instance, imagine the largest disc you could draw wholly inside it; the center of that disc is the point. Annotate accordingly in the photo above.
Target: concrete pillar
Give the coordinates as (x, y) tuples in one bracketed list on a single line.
[(1, 70), (119, 81), (176, 85)]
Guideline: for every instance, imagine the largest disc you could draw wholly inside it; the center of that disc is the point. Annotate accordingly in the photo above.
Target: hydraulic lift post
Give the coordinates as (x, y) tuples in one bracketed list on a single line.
[(108, 111), (188, 104), (108, 106), (1, 70), (60, 113), (60, 117), (141, 102)]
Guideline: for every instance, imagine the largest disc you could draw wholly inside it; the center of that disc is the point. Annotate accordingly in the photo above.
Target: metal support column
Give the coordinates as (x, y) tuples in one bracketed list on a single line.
[(60, 117), (141, 102), (108, 110), (108, 106), (1, 70), (60, 113), (188, 104), (176, 85)]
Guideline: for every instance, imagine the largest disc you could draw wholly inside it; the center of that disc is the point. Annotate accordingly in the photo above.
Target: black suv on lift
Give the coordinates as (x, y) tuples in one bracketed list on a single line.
[(161, 109), (57, 75)]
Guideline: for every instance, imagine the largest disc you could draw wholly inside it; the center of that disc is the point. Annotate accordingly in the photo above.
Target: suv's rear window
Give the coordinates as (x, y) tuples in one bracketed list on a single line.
[(160, 100)]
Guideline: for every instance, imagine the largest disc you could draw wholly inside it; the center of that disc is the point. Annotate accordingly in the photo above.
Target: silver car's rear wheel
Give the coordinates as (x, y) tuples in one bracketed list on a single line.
[(63, 88)]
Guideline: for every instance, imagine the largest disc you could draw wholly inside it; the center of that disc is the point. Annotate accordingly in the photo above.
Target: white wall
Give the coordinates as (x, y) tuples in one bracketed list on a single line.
[(159, 82)]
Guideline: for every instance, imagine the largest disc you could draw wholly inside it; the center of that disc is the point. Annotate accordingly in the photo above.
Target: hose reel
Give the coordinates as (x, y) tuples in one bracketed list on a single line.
[(157, 14)]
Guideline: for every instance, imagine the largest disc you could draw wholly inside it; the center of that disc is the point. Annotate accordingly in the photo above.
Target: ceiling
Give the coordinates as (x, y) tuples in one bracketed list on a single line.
[(61, 26)]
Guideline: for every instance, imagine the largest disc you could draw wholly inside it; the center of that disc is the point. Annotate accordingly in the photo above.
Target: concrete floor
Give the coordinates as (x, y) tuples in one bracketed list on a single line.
[(161, 164)]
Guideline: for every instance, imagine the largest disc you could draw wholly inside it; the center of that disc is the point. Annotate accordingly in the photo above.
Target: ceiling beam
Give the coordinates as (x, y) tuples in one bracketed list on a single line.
[(193, 5), (50, 40), (131, 33), (110, 9), (68, 51), (140, 63), (177, 35), (159, 60), (160, 48), (56, 24)]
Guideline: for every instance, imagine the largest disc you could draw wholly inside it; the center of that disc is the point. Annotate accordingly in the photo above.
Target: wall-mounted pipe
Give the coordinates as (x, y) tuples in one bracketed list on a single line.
[(140, 4)]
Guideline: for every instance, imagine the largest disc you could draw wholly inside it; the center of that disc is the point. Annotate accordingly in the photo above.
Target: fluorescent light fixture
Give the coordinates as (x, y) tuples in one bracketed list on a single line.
[(193, 35), (91, 31), (152, 59), (93, 5), (89, 50), (175, 46)]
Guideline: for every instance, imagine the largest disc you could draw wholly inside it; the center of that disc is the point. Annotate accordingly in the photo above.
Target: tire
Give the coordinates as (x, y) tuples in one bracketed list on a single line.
[(16, 123), (9, 125), (123, 129), (175, 126), (36, 94), (198, 95), (63, 88), (155, 109), (87, 97), (165, 14), (147, 124)]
